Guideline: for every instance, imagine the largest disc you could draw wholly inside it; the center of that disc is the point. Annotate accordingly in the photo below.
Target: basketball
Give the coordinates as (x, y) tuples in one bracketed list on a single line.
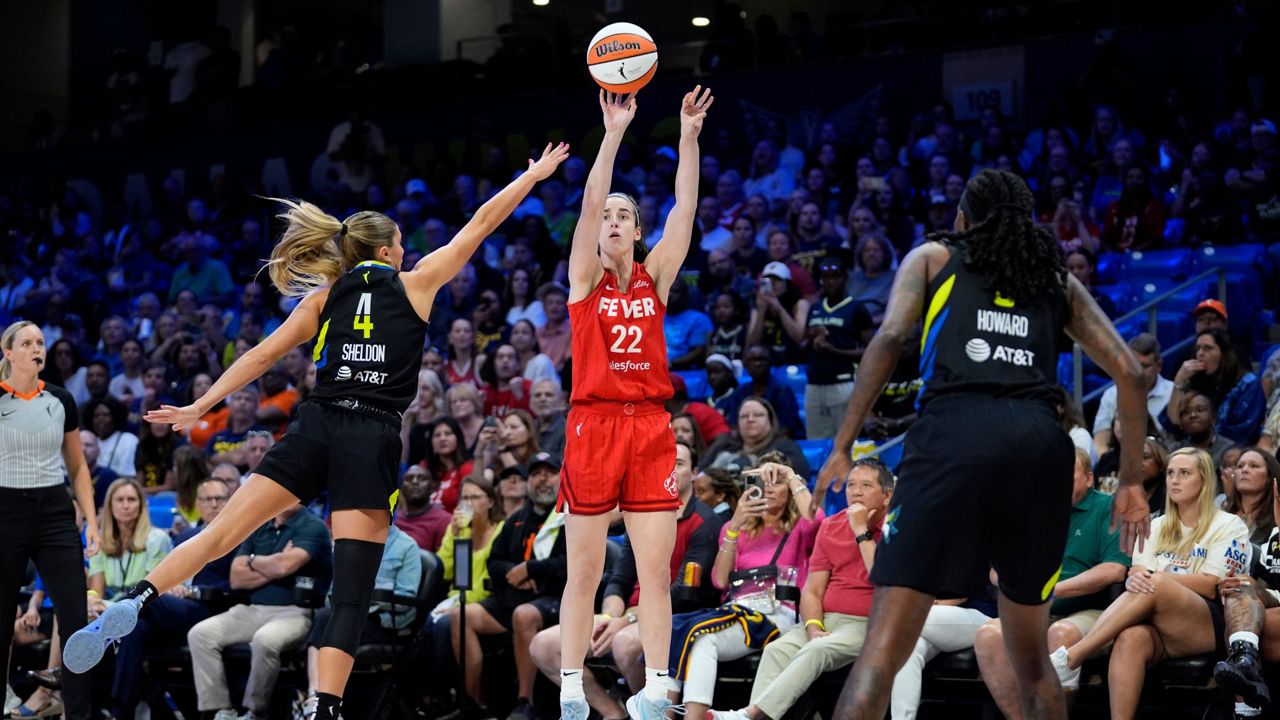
[(622, 58)]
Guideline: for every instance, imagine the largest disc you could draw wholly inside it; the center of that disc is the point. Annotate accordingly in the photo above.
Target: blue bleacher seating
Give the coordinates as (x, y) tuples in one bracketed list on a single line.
[(1148, 288), (893, 456), (794, 377), (1238, 258), (1111, 268), (1174, 264), (696, 382), (1120, 294), (816, 452)]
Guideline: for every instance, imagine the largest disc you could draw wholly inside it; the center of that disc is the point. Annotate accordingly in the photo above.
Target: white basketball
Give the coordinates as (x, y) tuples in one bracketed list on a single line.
[(622, 57)]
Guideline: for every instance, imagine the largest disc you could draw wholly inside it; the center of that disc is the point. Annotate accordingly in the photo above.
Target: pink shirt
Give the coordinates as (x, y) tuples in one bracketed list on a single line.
[(756, 551)]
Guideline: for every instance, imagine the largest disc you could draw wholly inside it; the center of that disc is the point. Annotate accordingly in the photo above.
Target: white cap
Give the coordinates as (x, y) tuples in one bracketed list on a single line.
[(778, 270), (719, 358)]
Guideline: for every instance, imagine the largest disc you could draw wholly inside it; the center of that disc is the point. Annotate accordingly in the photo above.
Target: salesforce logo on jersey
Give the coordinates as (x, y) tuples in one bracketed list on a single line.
[(367, 376), (980, 351)]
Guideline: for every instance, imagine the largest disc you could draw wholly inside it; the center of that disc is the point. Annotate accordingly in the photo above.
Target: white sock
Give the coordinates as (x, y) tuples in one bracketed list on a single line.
[(656, 684), (571, 685), (1243, 710), (1251, 638)]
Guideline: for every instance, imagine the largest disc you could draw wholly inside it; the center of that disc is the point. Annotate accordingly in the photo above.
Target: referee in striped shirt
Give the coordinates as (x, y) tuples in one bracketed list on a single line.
[(38, 432)]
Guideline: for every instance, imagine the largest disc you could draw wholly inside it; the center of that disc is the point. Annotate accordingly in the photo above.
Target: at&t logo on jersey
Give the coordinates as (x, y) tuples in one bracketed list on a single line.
[(366, 376), (979, 350)]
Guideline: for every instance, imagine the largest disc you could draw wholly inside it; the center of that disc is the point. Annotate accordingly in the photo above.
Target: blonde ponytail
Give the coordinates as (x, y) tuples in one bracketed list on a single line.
[(6, 343), (317, 248)]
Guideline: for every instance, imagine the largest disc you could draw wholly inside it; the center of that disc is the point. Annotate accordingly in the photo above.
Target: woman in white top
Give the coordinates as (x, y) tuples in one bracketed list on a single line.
[(128, 385), (534, 364), (117, 449), (1170, 608)]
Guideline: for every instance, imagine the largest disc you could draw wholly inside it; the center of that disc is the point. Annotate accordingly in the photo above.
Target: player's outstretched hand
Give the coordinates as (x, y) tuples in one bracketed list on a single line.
[(693, 110), (181, 418), (550, 160), (1130, 512)]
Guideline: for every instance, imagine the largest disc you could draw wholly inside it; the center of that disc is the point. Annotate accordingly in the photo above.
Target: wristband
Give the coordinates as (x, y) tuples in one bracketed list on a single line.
[(605, 616), (817, 623), (731, 534), (93, 593)]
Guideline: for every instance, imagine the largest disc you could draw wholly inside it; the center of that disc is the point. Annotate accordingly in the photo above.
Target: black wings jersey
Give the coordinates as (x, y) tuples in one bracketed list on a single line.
[(976, 341), (370, 342)]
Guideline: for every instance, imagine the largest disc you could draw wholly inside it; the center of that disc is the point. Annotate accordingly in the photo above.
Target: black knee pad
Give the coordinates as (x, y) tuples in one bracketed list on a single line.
[(355, 567)]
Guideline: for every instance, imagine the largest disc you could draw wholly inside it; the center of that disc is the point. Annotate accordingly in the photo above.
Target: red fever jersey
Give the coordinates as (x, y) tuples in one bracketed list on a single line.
[(619, 346), (619, 449)]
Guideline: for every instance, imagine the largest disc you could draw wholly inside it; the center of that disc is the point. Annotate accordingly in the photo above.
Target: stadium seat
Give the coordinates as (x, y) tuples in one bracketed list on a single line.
[(892, 456), (794, 377), (1239, 258), (696, 382), (1174, 264), (815, 452), (1121, 294), (1148, 288), (1111, 268)]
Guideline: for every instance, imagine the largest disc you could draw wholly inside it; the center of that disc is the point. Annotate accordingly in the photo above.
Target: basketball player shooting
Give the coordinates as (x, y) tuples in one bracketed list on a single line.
[(619, 449)]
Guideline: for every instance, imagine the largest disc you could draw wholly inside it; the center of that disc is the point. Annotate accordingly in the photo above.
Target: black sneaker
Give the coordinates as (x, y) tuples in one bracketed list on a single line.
[(523, 711), (1241, 674)]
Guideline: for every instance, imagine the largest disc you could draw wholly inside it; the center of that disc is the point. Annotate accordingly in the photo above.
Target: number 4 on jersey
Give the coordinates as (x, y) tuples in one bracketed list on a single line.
[(364, 315)]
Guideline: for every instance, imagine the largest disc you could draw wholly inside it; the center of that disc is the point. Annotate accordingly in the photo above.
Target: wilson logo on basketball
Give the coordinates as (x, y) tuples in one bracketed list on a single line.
[(622, 58), (615, 46)]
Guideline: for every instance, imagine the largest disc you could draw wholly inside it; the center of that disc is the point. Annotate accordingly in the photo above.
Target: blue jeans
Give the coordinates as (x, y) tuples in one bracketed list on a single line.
[(166, 617)]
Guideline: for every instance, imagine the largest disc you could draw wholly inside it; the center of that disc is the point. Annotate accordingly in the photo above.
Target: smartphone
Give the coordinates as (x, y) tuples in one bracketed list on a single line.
[(766, 284), (490, 421), (754, 480)]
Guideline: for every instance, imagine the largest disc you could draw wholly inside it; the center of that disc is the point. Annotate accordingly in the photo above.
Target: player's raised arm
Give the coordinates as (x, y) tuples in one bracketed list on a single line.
[(584, 265), (436, 269), (669, 254)]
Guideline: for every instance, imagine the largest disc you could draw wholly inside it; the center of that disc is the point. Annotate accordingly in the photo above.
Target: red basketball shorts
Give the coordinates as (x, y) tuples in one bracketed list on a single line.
[(614, 459)]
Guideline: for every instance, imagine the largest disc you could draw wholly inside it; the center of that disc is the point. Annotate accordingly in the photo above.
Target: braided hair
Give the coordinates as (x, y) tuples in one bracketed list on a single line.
[(1017, 259)]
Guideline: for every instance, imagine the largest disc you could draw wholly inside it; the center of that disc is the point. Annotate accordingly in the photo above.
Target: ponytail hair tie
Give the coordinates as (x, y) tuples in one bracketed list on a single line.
[(342, 233)]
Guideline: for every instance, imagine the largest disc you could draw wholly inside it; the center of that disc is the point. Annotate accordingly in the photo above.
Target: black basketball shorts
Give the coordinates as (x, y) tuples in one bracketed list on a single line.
[(354, 456), (984, 483)]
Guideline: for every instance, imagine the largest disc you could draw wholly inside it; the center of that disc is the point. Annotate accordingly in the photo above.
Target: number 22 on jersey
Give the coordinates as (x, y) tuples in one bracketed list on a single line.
[(364, 315), (621, 333)]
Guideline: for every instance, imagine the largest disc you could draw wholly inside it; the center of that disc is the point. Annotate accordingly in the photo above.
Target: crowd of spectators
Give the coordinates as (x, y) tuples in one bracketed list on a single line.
[(794, 254)]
